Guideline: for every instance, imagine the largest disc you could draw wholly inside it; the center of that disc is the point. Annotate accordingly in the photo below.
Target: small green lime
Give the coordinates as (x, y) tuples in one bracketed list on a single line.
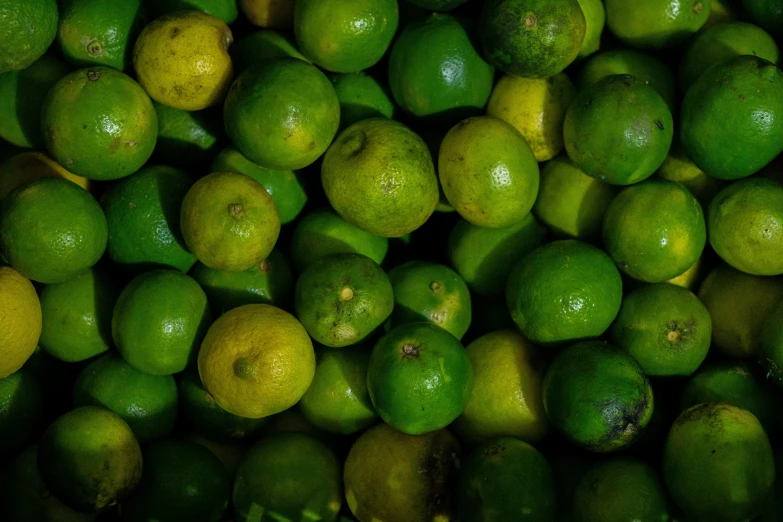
[(262, 46), (656, 24), (188, 139), (21, 412), (361, 97), (27, 29)]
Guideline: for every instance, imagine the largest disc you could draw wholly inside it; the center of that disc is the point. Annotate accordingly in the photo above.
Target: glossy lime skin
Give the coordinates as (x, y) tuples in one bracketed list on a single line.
[(142, 211), (361, 97), (597, 396), (342, 298), (656, 24), (654, 230), (99, 123), (618, 129), (745, 223), (21, 411), (282, 114), (28, 29), (21, 95), (188, 139), (564, 291), (504, 477), (436, 72), (159, 321), (731, 121), (531, 38), (419, 378), (51, 230)]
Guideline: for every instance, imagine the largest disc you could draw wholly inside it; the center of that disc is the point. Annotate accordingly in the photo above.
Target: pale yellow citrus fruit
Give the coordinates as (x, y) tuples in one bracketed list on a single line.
[(20, 320), (32, 165)]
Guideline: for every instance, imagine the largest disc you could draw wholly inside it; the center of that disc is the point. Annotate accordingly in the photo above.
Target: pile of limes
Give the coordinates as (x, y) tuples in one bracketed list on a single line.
[(391, 261)]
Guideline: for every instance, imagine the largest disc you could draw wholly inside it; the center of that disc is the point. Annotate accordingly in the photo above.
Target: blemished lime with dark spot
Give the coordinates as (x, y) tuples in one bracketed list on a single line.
[(656, 24), (531, 38), (564, 291), (21, 95), (51, 230), (288, 476), (258, 108), (432, 293), (420, 378), (225, 10), (504, 478), (182, 482), (271, 282), (665, 328), (597, 396), (28, 29), (361, 97), (337, 400), (679, 167), (645, 67), (718, 464), (159, 321), (99, 123), (731, 122), (261, 46), (21, 412), (483, 257), (618, 129), (623, 488), (654, 230), (89, 459), (77, 316), (284, 186), (488, 172), (342, 298), (426, 466), (322, 232), (148, 403), (745, 223), (188, 139), (435, 72), (142, 211)]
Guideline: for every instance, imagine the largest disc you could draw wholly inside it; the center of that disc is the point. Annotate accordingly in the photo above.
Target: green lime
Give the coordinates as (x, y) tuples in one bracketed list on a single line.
[(738, 303), (665, 328), (159, 321), (771, 344), (718, 464), (745, 223), (288, 477), (225, 10), (25, 498), (679, 167), (342, 298), (21, 94), (27, 29), (21, 411), (260, 108), (205, 417), (731, 122), (644, 67), (564, 291), (277, 14), (361, 97), (620, 489), (271, 281), (262, 46), (436, 72), (77, 315), (420, 378), (51, 230), (338, 401), (284, 186), (426, 467), (322, 232), (506, 397), (618, 129), (229, 221), (142, 211), (89, 459), (432, 293), (571, 203), (99, 123), (488, 171), (503, 478), (148, 403), (597, 396), (378, 175), (595, 18), (100, 32), (188, 139), (345, 35), (483, 256), (182, 482), (532, 38), (656, 24), (654, 230), (766, 13)]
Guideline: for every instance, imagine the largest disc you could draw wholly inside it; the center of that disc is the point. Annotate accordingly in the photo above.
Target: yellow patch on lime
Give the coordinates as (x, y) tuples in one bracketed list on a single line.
[(32, 165)]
